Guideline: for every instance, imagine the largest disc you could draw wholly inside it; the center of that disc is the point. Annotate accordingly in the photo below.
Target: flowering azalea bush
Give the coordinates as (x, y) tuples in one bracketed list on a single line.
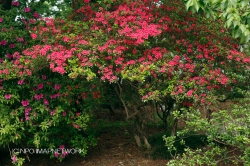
[(148, 44), (46, 112), (39, 108), (141, 44), (15, 24), (151, 53)]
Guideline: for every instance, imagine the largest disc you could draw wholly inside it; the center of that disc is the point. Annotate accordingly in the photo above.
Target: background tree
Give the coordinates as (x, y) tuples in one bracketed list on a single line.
[(235, 13)]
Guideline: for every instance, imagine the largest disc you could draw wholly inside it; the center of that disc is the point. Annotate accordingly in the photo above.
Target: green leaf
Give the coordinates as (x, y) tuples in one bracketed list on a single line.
[(224, 4), (248, 22), (243, 28), (229, 21), (233, 3), (189, 4), (196, 6), (236, 33), (244, 3), (235, 23)]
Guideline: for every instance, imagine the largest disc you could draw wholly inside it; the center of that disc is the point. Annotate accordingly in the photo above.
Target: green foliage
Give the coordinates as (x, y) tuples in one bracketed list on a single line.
[(227, 133), (173, 145), (235, 13), (83, 143), (18, 161), (45, 123)]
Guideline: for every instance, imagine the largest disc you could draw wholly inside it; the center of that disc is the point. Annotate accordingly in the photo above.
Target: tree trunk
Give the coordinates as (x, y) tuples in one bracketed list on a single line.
[(140, 133), (137, 140), (174, 127), (207, 112), (147, 144)]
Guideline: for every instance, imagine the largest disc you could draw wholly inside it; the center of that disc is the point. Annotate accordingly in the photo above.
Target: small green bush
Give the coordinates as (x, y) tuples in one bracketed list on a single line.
[(227, 133)]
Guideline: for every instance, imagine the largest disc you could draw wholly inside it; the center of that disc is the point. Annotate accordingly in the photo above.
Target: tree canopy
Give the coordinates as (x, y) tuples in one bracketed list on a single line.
[(235, 13)]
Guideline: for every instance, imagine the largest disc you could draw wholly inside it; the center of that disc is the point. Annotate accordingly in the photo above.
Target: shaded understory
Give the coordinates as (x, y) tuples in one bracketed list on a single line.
[(116, 146)]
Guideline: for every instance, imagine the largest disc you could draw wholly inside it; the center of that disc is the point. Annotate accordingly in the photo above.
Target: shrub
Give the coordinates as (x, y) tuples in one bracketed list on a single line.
[(227, 133)]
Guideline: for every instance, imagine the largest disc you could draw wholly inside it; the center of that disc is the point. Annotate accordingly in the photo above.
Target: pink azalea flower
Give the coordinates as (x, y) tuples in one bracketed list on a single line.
[(28, 109), (61, 147), (40, 86), (27, 118), (16, 55), (15, 3), (230, 57), (86, 1), (38, 96), (32, 21), (8, 96), (27, 9), (9, 56), (33, 36), (64, 153), (3, 42), (76, 126), (25, 103), (36, 15), (56, 154), (46, 102), (20, 39), (190, 93), (12, 45), (14, 158), (57, 87), (20, 82), (1, 19), (44, 77)]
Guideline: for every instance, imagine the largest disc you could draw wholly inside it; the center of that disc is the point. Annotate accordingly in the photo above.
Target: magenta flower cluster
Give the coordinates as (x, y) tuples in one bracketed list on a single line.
[(7, 96), (27, 113), (15, 3), (27, 9), (25, 103), (63, 154)]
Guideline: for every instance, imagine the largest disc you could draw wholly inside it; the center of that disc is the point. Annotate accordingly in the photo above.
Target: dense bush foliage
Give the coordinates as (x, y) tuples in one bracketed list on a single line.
[(151, 54), (227, 134), (235, 13)]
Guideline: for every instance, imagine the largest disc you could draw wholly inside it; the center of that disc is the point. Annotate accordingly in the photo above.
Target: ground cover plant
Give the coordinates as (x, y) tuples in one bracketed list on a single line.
[(151, 56)]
